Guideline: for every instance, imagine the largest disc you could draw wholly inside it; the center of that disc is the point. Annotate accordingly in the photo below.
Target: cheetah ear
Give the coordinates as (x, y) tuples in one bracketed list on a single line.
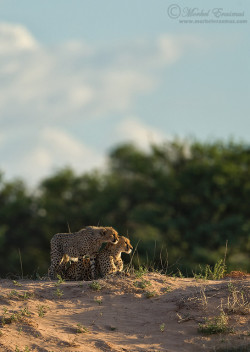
[(103, 232)]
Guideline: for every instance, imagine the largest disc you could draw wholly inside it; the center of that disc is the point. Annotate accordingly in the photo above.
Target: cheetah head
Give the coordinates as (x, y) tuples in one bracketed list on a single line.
[(125, 244), (108, 234)]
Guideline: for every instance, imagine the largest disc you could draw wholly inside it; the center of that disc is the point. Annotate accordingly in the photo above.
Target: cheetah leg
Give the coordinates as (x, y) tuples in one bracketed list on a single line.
[(86, 273), (55, 263), (119, 265), (78, 269), (62, 267), (71, 273), (92, 267), (52, 270)]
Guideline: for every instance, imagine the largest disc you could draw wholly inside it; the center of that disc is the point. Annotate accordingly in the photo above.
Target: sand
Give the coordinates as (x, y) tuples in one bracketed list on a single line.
[(123, 313)]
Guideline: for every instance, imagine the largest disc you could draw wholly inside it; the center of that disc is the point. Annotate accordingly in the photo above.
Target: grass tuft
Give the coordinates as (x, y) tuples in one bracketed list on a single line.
[(41, 310), (162, 327), (140, 272), (215, 325), (95, 286), (59, 292), (80, 329), (60, 280), (98, 300), (16, 283), (142, 284), (150, 294), (237, 302), (212, 273)]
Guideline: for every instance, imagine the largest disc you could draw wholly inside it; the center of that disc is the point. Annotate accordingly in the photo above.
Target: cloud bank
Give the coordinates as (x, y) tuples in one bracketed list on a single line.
[(44, 90)]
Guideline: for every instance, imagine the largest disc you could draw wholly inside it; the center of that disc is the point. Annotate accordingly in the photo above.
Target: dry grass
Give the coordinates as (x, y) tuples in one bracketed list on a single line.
[(215, 325)]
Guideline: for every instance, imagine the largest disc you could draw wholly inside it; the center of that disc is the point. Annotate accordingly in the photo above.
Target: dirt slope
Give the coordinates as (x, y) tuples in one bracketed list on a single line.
[(152, 313)]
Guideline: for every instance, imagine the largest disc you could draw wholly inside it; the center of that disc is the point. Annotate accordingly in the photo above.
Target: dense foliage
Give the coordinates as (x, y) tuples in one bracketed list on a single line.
[(179, 202)]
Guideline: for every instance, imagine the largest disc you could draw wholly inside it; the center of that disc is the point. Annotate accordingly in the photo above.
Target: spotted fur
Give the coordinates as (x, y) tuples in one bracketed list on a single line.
[(87, 241), (108, 261)]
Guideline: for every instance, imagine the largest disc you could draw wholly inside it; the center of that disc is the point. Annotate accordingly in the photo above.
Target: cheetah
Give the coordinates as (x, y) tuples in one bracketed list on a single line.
[(108, 261), (87, 241)]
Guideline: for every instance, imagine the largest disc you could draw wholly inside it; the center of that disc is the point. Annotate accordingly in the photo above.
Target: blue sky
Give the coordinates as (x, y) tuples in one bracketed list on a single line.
[(78, 77)]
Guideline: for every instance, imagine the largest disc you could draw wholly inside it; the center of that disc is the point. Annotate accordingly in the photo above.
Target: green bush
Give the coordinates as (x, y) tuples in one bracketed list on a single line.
[(180, 201)]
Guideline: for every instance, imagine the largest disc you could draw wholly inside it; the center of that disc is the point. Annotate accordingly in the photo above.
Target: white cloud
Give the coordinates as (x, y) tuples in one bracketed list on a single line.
[(14, 38), (65, 149), (134, 130), (76, 80), (118, 89), (62, 85), (169, 48), (51, 149)]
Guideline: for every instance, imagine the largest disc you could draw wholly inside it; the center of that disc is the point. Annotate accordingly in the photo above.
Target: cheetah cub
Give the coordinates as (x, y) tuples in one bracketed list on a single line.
[(87, 241), (108, 261)]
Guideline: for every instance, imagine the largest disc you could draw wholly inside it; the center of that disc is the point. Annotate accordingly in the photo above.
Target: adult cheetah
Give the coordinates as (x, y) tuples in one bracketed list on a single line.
[(108, 261), (87, 241)]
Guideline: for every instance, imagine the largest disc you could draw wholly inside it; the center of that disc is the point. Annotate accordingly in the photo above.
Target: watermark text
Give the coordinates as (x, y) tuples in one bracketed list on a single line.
[(196, 15)]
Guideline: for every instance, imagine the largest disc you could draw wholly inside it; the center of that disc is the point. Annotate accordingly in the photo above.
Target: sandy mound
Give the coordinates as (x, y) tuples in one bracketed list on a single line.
[(151, 313)]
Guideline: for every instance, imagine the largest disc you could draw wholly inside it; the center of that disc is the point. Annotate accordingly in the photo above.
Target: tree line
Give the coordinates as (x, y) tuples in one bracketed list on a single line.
[(179, 203)]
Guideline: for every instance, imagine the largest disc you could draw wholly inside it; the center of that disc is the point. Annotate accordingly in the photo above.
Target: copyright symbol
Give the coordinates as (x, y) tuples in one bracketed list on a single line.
[(174, 11)]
